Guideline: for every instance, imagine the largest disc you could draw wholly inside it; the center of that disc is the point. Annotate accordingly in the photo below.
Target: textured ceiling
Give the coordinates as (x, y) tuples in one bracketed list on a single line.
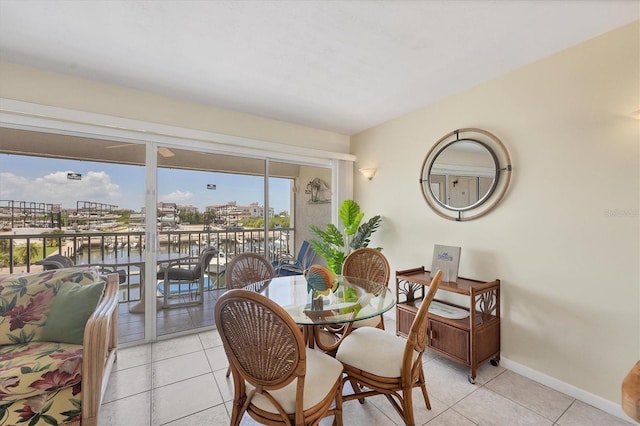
[(342, 66)]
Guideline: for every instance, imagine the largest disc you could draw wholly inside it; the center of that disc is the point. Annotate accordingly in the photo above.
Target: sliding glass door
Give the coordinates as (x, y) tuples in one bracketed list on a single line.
[(120, 204), (208, 204)]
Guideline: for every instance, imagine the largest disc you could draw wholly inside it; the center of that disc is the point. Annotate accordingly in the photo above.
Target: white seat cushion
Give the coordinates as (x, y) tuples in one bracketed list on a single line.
[(374, 351), (322, 373), (369, 322)]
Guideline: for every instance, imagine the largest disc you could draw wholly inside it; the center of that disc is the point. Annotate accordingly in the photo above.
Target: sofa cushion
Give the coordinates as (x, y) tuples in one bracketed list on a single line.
[(39, 367), (25, 301), (56, 407), (70, 310)]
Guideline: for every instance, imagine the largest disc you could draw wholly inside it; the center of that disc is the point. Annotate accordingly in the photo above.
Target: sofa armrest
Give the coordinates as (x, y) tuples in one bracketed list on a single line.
[(100, 345)]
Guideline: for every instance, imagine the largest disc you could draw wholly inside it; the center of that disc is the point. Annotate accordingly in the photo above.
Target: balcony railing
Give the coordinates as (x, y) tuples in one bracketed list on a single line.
[(19, 253)]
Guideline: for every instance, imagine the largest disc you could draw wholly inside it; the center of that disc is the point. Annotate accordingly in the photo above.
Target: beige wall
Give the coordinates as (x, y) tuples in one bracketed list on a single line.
[(40, 87), (565, 241)]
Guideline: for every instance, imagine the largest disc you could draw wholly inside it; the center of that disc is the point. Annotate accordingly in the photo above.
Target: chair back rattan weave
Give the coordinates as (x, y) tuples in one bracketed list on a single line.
[(367, 263), (247, 268), (372, 265), (261, 340)]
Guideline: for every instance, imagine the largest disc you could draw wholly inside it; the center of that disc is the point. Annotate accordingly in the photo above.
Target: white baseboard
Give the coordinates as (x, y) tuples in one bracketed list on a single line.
[(577, 393)]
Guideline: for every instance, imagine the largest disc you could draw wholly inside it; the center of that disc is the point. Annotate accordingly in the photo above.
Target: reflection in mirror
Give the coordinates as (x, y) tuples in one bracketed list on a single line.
[(463, 174)]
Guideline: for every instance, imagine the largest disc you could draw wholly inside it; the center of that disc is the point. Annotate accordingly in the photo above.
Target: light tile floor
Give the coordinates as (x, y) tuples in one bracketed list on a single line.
[(182, 382)]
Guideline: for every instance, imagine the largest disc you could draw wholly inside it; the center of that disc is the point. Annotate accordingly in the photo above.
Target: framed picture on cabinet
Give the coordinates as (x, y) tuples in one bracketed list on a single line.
[(446, 259)]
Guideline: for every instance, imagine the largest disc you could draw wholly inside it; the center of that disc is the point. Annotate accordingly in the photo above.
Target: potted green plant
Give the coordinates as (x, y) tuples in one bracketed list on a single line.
[(334, 246)]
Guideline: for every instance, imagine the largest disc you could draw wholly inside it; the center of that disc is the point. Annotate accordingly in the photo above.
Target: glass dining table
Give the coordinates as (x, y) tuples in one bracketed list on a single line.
[(327, 316)]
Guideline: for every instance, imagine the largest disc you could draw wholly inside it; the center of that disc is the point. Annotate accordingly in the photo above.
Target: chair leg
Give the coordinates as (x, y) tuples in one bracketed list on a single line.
[(236, 413), (407, 406), (228, 371), (337, 419), (381, 323), (423, 386), (356, 389)]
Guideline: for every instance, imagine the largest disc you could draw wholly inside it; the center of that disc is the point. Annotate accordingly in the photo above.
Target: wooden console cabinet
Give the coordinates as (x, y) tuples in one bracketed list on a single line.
[(469, 341)]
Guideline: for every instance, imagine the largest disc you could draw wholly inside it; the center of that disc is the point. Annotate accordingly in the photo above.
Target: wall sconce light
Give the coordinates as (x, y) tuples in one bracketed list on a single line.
[(368, 173)]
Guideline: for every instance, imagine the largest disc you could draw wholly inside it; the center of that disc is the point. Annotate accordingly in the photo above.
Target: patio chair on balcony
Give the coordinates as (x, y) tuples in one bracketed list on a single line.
[(55, 261), (288, 265), (58, 261), (185, 276)]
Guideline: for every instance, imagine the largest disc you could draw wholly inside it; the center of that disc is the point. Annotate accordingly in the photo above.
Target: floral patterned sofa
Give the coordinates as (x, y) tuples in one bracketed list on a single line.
[(58, 342)]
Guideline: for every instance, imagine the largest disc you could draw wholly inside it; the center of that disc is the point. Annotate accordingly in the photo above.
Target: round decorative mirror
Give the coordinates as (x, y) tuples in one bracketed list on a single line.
[(465, 174)]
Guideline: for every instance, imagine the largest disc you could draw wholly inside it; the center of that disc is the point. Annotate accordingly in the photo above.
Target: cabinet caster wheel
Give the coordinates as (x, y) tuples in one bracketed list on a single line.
[(494, 362), (471, 380)]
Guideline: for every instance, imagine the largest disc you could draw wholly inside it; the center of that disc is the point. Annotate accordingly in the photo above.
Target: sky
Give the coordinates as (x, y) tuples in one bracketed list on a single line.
[(44, 180)]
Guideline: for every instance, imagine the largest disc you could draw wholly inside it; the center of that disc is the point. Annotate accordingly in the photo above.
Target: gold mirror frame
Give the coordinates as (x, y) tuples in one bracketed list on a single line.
[(502, 176)]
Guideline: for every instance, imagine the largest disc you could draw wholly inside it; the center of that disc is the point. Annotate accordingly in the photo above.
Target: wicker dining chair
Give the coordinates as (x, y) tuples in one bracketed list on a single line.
[(366, 263), (276, 378), (390, 365), (247, 268), (372, 265)]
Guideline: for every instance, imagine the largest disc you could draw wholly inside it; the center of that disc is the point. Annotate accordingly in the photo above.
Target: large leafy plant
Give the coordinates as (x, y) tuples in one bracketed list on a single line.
[(333, 245)]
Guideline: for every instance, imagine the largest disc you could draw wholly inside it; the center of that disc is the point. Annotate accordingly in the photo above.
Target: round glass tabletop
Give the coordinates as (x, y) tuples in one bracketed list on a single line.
[(351, 299)]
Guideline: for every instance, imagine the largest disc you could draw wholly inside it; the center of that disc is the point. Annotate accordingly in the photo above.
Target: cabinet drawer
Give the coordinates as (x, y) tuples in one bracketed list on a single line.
[(450, 340), (404, 318)]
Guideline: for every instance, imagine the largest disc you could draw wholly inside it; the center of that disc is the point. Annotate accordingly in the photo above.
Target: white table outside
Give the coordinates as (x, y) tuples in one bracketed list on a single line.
[(139, 261)]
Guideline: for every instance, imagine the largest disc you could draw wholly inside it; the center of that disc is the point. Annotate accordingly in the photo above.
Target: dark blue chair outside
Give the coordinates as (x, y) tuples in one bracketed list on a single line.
[(289, 266)]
